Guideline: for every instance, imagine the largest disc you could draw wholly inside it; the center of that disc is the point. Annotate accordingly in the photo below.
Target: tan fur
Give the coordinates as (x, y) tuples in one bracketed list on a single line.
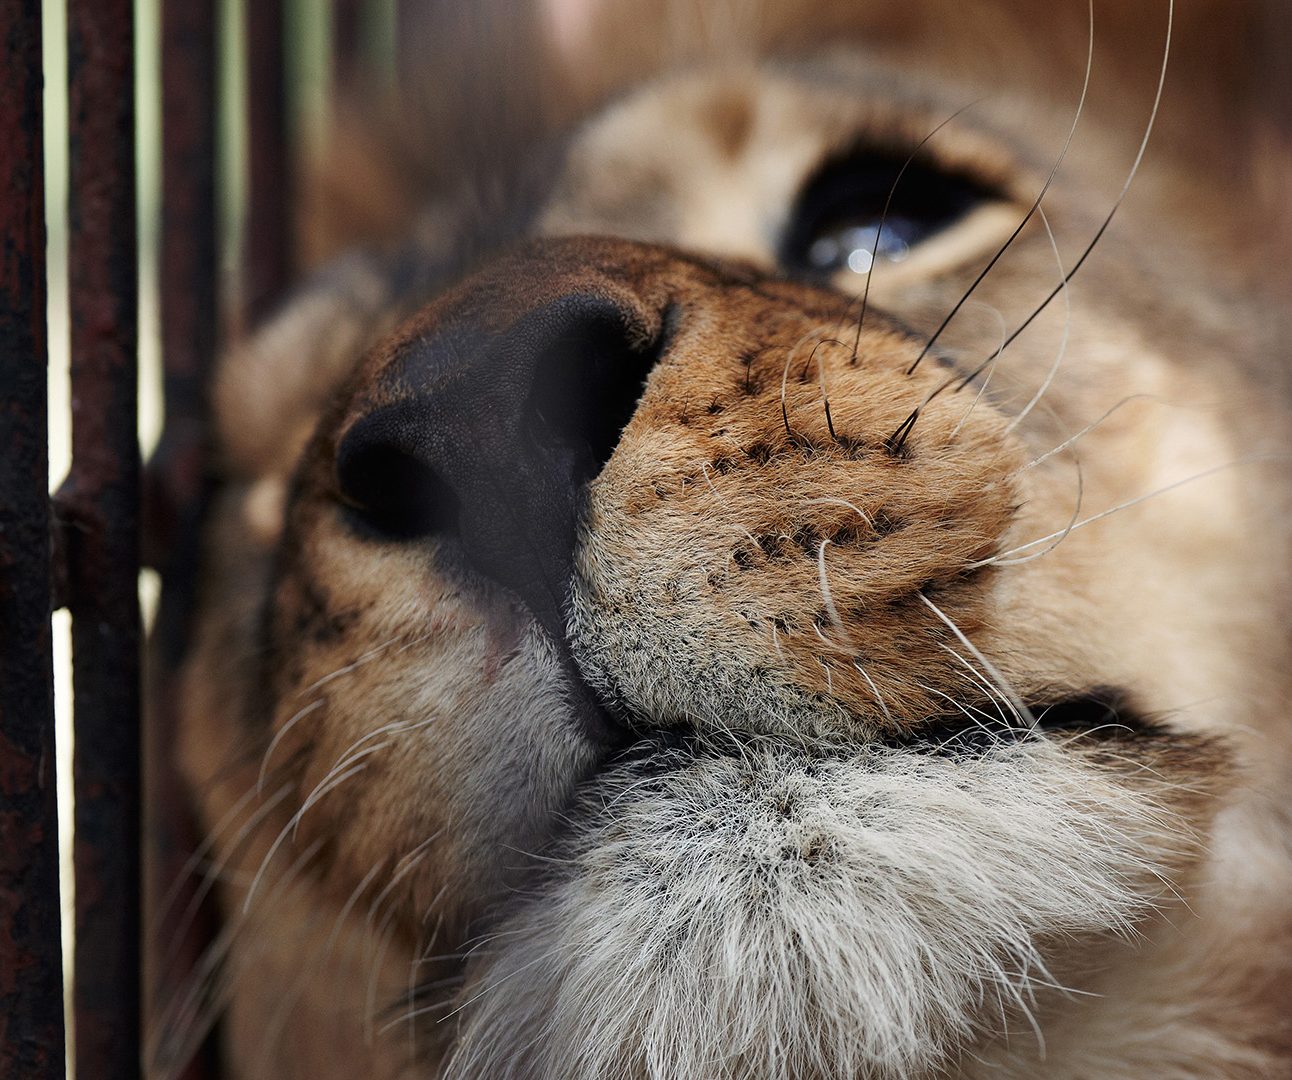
[(428, 869)]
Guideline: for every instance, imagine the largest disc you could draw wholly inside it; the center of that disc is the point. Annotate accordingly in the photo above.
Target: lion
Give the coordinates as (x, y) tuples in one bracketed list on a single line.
[(761, 549)]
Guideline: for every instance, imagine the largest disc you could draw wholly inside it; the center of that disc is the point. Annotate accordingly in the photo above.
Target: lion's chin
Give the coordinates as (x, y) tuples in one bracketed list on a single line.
[(773, 914)]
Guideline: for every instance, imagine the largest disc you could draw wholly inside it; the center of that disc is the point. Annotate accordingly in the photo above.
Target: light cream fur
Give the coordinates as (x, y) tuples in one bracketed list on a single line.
[(426, 870)]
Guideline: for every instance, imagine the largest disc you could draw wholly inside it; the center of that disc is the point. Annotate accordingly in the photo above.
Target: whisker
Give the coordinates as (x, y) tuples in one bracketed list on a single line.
[(1121, 197), (1001, 683), (333, 780), (883, 220), (498, 982), (829, 678), (370, 655), (349, 906), (411, 990), (315, 965), (1257, 459), (825, 394), (828, 599), (986, 382), (1063, 344), (196, 859), (976, 678), (329, 783), (1036, 205), (439, 919), (1088, 429), (181, 1027), (212, 875), (844, 503), (785, 378), (704, 471), (879, 698), (898, 438), (1062, 535), (974, 715), (385, 934), (406, 866), (281, 734)]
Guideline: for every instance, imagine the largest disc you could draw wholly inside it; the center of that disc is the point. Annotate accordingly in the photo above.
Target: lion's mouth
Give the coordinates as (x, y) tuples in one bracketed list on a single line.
[(974, 728)]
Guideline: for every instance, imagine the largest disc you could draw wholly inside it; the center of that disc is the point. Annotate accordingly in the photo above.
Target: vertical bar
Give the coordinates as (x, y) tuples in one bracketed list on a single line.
[(31, 976), (177, 479), (100, 503), (348, 45), (268, 250), (188, 244), (409, 18)]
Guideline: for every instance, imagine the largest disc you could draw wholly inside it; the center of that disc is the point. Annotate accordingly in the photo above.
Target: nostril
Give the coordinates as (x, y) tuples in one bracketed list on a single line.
[(390, 490), (588, 381)]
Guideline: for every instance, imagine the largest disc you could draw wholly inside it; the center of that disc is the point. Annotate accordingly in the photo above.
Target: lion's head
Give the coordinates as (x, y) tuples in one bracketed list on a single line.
[(781, 573)]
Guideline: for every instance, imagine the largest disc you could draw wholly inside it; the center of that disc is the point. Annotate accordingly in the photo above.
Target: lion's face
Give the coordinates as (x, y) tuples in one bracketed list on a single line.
[(644, 655)]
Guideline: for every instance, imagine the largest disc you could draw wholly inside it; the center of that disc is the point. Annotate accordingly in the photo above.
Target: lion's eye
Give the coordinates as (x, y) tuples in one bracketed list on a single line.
[(835, 224)]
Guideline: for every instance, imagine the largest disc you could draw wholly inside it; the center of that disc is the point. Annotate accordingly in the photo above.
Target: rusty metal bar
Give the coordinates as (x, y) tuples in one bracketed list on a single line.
[(99, 509), (31, 975), (177, 483), (267, 255), (189, 309)]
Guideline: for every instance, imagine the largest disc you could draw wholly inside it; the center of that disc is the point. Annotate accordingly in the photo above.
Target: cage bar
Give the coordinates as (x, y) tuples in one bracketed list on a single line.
[(177, 482), (189, 309), (267, 257), (98, 507), (348, 44), (31, 974)]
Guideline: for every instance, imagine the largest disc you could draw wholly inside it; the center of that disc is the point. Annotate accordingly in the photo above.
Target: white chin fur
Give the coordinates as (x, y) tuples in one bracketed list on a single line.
[(767, 914)]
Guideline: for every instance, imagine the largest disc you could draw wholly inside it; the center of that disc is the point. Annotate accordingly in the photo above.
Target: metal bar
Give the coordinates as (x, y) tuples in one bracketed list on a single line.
[(31, 975), (177, 483), (99, 506), (188, 245), (267, 255), (349, 46)]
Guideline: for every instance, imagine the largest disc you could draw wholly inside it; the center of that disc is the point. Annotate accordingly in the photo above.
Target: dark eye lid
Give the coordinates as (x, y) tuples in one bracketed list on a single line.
[(835, 218)]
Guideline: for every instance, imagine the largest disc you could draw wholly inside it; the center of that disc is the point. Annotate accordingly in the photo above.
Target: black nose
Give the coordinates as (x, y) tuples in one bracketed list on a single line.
[(489, 433)]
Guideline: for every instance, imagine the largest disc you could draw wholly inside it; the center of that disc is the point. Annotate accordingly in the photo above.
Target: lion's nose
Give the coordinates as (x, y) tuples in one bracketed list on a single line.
[(488, 421)]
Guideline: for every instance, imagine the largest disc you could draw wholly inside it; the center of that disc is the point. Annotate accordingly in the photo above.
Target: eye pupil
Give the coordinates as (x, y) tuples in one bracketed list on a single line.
[(836, 221)]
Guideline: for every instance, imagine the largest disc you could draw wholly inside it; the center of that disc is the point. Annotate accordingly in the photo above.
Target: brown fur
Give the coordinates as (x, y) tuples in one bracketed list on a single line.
[(748, 562)]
